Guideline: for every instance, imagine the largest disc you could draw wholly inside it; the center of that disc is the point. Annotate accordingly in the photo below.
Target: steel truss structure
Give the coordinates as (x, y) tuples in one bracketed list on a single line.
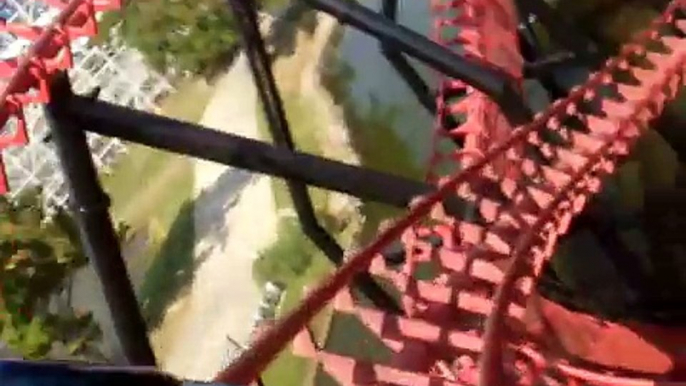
[(119, 73), (513, 185)]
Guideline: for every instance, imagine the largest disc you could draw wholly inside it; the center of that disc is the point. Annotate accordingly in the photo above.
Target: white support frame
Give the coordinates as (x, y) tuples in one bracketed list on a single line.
[(36, 164)]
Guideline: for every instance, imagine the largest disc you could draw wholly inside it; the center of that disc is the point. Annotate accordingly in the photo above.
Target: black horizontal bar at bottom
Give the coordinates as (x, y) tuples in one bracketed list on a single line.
[(244, 153)]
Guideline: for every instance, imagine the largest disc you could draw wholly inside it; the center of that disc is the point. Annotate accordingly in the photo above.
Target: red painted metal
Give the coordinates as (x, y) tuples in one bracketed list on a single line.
[(478, 321), (630, 345), (486, 30), (50, 52), (473, 322)]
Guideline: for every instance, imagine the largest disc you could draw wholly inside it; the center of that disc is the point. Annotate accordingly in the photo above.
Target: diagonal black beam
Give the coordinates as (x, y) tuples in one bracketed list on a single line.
[(249, 154), (414, 81), (245, 15), (90, 208), (536, 67), (548, 64), (421, 91), (492, 81), (389, 9)]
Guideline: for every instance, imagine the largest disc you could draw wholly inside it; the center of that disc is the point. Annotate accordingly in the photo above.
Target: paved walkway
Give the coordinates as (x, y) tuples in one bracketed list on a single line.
[(235, 218)]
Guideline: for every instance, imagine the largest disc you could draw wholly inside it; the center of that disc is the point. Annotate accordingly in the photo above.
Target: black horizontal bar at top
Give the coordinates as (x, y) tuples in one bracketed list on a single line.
[(494, 82), (244, 153)]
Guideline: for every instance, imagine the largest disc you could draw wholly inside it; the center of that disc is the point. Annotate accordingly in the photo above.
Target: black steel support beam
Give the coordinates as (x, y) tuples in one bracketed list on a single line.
[(492, 81), (563, 31), (421, 91), (249, 154), (414, 81), (389, 9), (532, 53), (90, 208), (245, 15)]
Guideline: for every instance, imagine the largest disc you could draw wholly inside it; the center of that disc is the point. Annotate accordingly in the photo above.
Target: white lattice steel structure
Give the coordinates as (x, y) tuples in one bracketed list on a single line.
[(120, 73)]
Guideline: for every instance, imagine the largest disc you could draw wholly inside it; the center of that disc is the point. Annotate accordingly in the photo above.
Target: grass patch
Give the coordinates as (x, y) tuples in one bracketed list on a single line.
[(297, 263), (288, 369), (141, 185), (152, 190), (304, 124), (189, 101), (349, 337), (286, 260)]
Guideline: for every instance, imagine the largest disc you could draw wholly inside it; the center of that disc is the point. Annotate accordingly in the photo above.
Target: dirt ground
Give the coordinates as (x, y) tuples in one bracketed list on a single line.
[(236, 217), (223, 296)]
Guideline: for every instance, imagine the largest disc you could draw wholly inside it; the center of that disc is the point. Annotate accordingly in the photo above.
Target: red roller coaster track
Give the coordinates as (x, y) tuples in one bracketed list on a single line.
[(479, 319), (26, 78)]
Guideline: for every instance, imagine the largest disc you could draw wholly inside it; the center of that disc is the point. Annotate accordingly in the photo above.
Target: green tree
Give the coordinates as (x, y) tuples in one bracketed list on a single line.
[(36, 256), (178, 35)]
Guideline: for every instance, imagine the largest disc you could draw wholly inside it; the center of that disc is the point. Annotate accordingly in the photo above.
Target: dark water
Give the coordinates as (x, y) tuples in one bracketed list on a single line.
[(390, 130), (377, 89)]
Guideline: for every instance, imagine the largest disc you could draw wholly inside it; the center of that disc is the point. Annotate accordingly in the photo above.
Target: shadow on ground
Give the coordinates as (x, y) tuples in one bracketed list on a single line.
[(215, 202), (174, 266)]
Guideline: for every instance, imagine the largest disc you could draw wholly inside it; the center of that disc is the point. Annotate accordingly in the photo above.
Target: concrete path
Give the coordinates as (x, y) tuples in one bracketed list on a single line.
[(235, 218)]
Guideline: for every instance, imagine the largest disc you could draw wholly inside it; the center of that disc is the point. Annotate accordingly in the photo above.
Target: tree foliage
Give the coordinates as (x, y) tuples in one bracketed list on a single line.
[(36, 256), (178, 35)]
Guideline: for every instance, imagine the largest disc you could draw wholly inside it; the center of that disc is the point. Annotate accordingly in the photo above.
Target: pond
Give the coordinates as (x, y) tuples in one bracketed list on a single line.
[(390, 129)]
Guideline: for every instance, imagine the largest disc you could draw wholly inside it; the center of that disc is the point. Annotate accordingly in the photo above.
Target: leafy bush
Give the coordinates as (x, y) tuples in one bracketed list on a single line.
[(288, 258), (178, 36), (36, 257), (32, 340), (182, 35)]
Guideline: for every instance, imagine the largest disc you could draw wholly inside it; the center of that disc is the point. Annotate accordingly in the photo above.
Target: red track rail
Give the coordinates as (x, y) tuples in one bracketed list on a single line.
[(469, 324), (50, 52), (487, 32)]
